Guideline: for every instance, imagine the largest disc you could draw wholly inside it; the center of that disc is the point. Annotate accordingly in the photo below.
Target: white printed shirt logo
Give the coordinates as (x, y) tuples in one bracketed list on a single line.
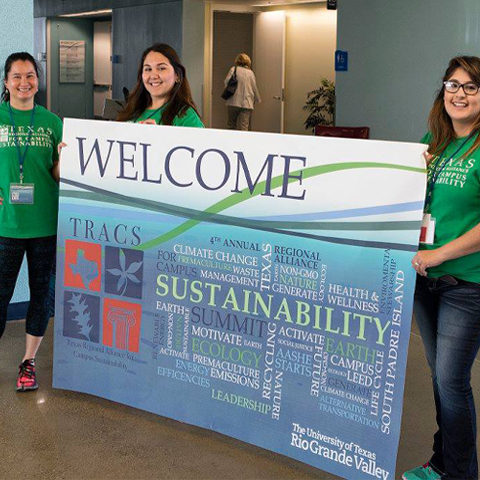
[(40, 137), (4, 134), (455, 173)]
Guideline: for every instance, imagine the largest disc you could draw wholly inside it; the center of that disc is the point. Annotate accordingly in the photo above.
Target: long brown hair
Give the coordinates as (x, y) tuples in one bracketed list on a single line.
[(439, 122), (180, 100)]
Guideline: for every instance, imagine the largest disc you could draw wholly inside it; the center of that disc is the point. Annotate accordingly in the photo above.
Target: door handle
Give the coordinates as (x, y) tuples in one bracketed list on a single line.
[(277, 97)]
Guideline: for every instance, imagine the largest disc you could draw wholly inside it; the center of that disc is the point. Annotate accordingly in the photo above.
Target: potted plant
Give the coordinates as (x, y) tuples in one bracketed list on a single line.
[(320, 105)]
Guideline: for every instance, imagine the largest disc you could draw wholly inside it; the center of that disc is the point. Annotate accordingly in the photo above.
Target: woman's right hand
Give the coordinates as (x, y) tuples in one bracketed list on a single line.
[(427, 258), (427, 157)]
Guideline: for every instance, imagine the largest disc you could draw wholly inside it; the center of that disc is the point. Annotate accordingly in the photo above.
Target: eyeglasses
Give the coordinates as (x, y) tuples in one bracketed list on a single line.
[(454, 87)]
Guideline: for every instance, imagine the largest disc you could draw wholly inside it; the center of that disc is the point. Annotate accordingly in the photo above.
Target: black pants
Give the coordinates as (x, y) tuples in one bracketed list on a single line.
[(40, 260)]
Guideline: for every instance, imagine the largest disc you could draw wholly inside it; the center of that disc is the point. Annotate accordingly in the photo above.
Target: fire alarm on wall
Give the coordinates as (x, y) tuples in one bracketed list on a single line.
[(331, 4)]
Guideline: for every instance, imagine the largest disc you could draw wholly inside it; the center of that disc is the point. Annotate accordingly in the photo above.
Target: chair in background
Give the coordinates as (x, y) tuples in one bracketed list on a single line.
[(112, 107), (343, 132)]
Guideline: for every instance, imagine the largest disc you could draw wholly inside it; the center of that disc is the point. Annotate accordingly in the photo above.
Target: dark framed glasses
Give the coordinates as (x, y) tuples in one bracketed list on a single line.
[(452, 86)]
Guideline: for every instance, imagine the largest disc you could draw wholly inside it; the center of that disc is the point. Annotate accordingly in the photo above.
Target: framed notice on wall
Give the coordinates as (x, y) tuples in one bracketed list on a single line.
[(72, 61)]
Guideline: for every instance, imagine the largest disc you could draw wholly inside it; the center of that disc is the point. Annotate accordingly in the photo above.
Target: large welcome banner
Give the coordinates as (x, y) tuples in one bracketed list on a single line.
[(257, 285)]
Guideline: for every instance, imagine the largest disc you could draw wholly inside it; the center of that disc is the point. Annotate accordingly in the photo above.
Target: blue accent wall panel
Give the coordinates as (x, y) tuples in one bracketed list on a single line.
[(398, 53), (16, 28), (16, 34), (136, 28)]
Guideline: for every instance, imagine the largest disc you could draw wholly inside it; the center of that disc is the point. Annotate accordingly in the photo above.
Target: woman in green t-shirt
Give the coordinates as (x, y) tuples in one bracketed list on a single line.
[(447, 296), (29, 137), (162, 94)]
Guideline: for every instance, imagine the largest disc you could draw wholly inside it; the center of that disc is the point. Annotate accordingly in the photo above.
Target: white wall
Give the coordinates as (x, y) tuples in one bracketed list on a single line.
[(102, 65), (16, 35), (310, 50), (398, 52)]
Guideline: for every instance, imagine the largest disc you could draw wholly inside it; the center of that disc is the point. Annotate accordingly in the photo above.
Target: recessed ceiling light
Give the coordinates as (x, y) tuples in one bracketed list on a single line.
[(87, 14)]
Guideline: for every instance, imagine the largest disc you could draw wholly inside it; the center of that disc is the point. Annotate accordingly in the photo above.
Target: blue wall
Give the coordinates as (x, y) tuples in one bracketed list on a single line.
[(16, 34), (398, 52), (16, 27), (137, 27)]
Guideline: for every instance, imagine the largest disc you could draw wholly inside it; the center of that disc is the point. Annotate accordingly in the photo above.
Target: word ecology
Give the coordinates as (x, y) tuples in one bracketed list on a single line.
[(135, 163)]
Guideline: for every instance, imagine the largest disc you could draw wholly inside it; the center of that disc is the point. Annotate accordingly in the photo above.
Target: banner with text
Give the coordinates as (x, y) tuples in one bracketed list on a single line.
[(257, 285)]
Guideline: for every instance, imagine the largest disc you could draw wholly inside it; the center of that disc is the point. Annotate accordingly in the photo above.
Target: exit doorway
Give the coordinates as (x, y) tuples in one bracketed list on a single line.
[(292, 45), (261, 35), (79, 65)]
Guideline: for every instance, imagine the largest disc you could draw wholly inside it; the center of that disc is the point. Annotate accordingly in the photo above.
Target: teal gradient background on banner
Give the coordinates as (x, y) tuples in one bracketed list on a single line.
[(281, 322)]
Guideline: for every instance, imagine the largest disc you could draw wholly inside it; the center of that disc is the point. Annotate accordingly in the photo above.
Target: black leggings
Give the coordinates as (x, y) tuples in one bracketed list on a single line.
[(40, 260)]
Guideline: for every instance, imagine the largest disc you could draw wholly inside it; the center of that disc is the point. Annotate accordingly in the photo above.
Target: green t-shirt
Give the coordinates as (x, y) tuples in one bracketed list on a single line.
[(189, 119), (39, 219), (455, 206)]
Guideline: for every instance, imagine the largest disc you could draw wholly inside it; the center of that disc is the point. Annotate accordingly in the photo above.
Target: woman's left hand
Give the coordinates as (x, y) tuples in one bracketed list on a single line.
[(148, 121), (425, 259), (60, 146), (56, 164)]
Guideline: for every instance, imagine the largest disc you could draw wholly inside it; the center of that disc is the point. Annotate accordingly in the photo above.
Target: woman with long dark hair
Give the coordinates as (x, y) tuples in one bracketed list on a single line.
[(162, 95), (447, 296), (29, 137)]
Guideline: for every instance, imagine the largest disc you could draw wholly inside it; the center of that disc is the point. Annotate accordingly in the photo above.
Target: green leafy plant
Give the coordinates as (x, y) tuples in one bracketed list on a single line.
[(320, 104)]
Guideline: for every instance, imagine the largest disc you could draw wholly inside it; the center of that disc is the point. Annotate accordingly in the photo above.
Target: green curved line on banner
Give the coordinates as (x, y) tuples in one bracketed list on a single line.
[(276, 182)]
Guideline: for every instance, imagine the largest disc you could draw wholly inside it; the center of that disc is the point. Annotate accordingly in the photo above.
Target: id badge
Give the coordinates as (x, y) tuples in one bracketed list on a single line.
[(427, 232), (21, 193)]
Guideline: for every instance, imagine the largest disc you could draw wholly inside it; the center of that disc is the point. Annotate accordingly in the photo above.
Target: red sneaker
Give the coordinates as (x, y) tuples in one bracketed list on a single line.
[(27, 379)]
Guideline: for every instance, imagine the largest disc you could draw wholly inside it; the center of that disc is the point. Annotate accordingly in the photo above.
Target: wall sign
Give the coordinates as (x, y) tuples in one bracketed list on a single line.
[(341, 61), (72, 61)]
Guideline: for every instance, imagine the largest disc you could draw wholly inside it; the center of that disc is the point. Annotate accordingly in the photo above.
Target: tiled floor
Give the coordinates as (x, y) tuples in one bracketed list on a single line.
[(54, 434)]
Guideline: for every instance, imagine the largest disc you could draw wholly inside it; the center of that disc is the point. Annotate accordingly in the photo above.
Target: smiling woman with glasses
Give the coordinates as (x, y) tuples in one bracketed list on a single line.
[(447, 295)]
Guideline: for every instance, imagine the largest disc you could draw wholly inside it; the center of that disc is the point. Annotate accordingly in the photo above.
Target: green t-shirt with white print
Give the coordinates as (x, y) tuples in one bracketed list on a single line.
[(39, 219), (188, 118), (455, 206)]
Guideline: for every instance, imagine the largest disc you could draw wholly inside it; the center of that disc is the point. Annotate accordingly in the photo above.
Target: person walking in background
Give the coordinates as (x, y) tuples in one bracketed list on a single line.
[(447, 295), (162, 95), (241, 104), (29, 174)]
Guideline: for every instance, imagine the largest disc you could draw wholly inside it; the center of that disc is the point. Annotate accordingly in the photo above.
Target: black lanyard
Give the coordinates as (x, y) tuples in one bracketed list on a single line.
[(151, 115), (21, 158), (437, 171)]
